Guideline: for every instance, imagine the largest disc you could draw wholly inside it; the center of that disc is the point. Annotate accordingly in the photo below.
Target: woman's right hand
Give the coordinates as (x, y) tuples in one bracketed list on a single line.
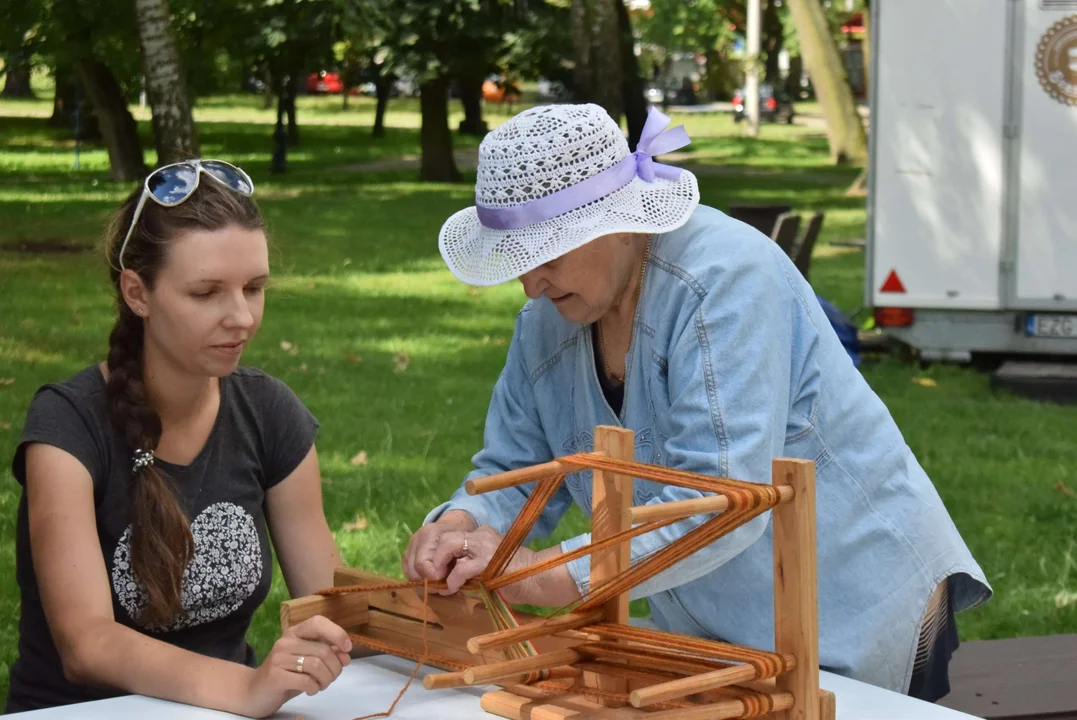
[(324, 647)]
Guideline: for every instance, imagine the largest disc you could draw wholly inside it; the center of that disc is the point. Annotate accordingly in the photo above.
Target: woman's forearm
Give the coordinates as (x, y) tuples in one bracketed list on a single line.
[(112, 655), (553, 588)]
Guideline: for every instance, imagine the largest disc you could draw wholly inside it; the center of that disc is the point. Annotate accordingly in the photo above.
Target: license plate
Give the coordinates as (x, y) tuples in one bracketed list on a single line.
[(1053, 326)]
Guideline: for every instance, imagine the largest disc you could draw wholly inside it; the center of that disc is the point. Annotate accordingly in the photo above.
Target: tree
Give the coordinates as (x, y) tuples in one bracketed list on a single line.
[(773, 39), (703, 26), (365, 28), (17, 74), (20, 39), (581, 50), (173, 127), (607, 69), (845, 129), (118, 126), (436, 42), (632, 90), (91, 37)]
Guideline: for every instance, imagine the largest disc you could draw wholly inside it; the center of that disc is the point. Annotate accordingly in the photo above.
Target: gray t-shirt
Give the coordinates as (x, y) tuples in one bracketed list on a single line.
[(261, 434)]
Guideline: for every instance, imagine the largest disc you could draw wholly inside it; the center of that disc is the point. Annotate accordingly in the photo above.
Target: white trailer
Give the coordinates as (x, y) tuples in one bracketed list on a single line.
[(972, 210)]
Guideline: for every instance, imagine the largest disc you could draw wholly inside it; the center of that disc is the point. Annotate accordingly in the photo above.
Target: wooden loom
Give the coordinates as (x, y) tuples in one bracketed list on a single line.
[(589, 663)]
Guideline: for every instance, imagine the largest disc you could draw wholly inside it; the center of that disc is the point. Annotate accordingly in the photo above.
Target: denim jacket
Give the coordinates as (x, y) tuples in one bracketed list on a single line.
[(732, 364)]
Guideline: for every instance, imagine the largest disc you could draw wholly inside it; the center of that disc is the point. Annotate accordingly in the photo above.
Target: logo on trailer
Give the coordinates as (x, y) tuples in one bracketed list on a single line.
[(893, 284), (1056, 61)]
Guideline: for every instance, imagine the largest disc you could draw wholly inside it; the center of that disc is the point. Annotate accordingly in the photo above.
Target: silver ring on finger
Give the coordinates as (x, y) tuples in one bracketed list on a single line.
[(299, 664), (465, 550)]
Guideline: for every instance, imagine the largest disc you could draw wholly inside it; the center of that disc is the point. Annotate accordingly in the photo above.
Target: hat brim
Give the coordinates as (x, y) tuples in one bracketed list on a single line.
[(478, 255)]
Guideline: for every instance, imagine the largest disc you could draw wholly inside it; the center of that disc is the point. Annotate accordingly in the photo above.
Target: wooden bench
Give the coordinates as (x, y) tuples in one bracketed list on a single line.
[(1032, 678)]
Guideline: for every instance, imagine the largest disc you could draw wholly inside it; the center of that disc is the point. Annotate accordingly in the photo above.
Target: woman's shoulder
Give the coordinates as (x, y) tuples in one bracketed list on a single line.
[(712, 249), (262, 393), (258, 386), (273, 417), (83, 391), (71, 414)]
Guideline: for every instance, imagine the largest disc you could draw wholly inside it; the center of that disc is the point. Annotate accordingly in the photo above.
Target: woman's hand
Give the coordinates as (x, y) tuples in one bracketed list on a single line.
[(438, 554), (323, 647), (429, 556)]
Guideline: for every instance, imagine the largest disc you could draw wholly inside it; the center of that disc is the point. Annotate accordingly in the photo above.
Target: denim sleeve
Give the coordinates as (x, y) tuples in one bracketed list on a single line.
[(729, 388), (513, 438)]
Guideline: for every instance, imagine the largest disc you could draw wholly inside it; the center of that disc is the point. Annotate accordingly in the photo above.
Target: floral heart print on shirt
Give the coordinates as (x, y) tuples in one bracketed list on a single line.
[(224, 572)]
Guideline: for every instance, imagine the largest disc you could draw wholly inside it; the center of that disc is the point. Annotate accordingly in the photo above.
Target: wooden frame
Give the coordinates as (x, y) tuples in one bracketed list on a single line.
[(589, 663)]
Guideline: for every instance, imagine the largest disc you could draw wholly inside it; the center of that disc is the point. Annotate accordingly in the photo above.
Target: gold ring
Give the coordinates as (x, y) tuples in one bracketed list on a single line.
[(299, 664)]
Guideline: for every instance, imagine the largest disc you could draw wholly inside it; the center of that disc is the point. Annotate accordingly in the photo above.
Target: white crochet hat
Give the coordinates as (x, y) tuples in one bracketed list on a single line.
[(554, 178)]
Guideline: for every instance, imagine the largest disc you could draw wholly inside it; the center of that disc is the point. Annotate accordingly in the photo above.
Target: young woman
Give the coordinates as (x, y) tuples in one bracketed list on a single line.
[(153, 482)]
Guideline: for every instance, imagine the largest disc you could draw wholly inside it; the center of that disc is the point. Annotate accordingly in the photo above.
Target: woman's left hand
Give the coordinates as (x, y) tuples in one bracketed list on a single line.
[(552, 588), (472, 552)]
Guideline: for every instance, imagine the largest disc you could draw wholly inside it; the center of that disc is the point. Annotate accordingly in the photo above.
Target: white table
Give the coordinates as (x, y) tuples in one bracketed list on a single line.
[(369, 685)]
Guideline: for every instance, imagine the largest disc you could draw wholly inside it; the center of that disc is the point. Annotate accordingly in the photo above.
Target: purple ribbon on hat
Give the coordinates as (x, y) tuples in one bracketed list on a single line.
[(656, 139)]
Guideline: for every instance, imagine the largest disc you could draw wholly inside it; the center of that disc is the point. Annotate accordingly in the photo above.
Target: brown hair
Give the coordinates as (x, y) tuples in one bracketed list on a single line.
[(161, 541)]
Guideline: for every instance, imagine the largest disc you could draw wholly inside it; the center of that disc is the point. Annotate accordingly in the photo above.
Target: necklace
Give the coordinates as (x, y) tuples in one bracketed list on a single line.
[(639, 294)]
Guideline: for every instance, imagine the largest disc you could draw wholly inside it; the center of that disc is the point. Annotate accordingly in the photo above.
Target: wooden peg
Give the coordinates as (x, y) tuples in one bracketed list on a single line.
[(611, 496), (511, 636), (796, 604)]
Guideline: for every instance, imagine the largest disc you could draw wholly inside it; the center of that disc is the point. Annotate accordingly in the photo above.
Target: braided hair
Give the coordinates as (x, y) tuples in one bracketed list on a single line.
[(161, 542)]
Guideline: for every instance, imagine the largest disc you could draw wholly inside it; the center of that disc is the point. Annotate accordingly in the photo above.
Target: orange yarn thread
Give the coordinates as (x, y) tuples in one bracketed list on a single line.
[(419, 663)]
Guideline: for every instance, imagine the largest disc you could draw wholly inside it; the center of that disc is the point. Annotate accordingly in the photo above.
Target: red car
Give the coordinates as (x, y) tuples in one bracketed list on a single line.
[(324, 83)]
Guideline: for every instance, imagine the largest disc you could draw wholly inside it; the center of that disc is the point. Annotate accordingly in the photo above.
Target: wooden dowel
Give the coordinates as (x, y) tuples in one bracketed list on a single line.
[(440, 681), (520, 476), (658, 512), (691, 685), (511, 636), (512, 668), (720, 710), (643, 662), (676, 509)]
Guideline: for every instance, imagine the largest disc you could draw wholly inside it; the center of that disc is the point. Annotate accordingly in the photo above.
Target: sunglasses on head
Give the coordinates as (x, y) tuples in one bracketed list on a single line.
[(171, 185)]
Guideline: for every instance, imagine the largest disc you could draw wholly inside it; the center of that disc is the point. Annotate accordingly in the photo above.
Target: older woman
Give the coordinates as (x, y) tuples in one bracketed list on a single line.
[(652, 312)]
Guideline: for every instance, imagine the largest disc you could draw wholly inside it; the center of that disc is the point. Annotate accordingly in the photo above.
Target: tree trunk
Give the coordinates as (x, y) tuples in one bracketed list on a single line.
[(581, 51), (632, 88), (345, 76), (293, 125), (173, 127), (17, 84), (64, 98), (865, 48), (796, 70), (279, 162), (117, 125), (268, 93), (845, 129), (65, 101), (438, 164), (859, 188), (471, 98), (383, 88), (773, 39), (607, 73)]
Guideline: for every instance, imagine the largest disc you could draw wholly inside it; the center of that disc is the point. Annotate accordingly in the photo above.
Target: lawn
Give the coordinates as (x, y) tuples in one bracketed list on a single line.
[(397, 359)]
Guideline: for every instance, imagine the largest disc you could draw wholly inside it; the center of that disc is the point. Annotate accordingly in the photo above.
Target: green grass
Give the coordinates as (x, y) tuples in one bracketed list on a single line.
[(358, 284)]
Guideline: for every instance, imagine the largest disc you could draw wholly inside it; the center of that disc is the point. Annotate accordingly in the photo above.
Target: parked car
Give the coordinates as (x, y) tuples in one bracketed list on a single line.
[(325, 83), (773, 106)]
